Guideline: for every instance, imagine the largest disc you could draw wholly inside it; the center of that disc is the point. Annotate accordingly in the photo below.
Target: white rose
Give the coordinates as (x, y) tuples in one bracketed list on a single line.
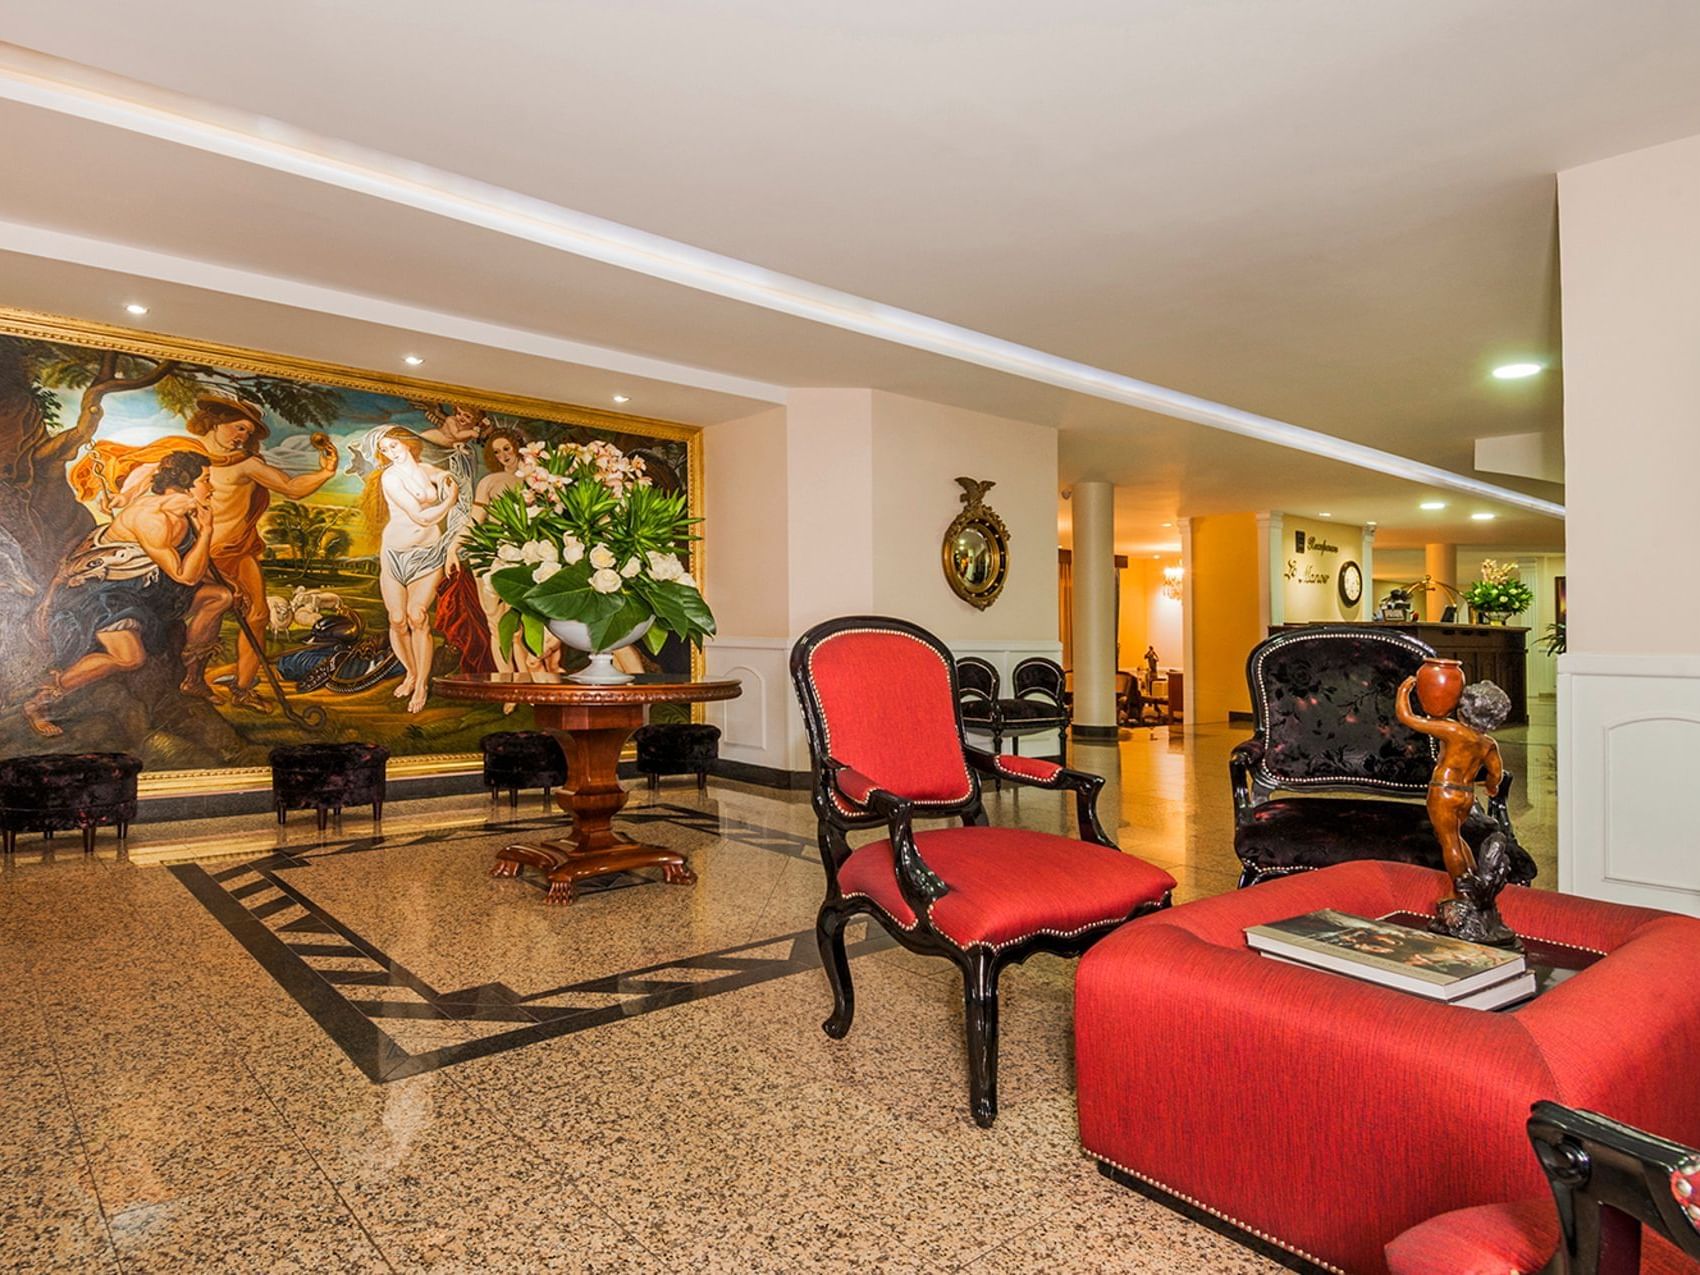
[(665, 566), (507, 553), (544, 571), (531, 552), (686, 579), (548, 550), (604, 581), (602, 558), (572, 549), (632, 567)]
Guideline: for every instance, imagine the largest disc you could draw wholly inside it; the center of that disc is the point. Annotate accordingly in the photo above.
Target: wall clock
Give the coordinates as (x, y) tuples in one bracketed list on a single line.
[(1351, 584)]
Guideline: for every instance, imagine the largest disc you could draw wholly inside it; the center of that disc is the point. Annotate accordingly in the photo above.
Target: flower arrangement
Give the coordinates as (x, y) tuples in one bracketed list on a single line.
[(583, 535), (1499, 589)]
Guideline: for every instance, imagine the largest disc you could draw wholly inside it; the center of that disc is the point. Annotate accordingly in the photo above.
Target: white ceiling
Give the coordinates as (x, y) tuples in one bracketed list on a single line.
[(1334, 213)]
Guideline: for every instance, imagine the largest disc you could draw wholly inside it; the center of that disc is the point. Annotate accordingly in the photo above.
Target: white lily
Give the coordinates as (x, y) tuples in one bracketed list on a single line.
[(544, 571), (572, 550), (632, 567), (507, 553), (686, 579)]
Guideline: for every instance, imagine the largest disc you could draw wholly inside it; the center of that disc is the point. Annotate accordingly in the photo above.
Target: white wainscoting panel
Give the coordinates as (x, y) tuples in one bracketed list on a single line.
[(1628, 744), (755, 727)]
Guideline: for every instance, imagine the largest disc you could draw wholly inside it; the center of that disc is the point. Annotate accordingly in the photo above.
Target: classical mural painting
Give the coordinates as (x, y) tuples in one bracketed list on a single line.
[(206, 552)]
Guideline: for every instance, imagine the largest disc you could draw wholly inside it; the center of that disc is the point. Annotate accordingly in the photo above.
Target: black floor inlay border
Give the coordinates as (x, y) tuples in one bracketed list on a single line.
[(333, 972)]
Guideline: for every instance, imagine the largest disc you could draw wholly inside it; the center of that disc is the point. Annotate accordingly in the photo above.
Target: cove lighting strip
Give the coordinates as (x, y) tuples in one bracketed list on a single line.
[(69, 88)]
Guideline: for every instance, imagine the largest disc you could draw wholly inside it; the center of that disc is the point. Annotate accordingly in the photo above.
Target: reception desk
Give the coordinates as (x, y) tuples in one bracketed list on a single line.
[(1494, 653)]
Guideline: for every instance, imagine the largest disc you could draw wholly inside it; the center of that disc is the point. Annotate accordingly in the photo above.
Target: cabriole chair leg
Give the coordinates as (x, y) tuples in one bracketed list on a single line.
[(829, 933), (980, 989)]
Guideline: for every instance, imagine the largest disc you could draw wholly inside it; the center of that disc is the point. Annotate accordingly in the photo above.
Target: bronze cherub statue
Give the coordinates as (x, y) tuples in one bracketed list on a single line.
[(1467, 751)]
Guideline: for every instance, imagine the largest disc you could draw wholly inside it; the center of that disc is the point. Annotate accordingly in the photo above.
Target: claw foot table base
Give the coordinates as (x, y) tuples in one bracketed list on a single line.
[(565, 866), (592, 724)]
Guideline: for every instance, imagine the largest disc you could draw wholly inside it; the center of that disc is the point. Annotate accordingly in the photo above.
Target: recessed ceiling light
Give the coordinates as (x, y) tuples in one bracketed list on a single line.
[(622, 398), (1324, 515), (1483, 517), (1168, 524), (412, 360), (1515, 371), (136, 307), (1432, 504)]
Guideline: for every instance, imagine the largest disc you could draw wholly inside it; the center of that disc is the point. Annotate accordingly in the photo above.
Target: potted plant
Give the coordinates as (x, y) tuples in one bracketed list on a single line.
[(585, 547), (1499, 594)]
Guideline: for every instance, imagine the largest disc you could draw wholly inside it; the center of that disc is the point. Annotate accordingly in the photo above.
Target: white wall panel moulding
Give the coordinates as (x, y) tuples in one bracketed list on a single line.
[(69, 88), (1627, 740), (1585, 664)]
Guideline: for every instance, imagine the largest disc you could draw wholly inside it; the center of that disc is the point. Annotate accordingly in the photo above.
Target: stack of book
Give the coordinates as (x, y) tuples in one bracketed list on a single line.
[(1410, 960)]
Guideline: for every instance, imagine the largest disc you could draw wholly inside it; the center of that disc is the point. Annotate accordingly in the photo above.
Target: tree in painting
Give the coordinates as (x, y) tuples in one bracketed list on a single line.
[(187, 571)]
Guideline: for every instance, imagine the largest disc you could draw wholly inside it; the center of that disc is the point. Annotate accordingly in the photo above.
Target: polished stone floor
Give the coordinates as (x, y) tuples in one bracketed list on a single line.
[(356, 1051)]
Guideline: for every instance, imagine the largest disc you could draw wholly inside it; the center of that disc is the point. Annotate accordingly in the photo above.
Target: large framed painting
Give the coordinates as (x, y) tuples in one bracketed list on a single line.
[(198, 562)]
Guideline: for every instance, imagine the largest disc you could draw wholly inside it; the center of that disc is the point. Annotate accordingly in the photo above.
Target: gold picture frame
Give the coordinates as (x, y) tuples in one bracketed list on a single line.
[(62, 330)]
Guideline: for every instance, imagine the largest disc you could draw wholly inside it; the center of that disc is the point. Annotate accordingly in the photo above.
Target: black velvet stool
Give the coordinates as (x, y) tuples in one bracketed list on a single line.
[(47, 792), (515, 759), (676, 748), (326, 777)]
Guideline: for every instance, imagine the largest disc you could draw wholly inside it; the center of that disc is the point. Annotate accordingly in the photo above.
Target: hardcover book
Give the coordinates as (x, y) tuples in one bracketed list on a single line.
[(1397, 956)]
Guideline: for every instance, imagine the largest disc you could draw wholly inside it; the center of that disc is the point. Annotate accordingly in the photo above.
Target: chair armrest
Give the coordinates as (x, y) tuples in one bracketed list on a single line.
[(1242, 764), (919, 884), (1608, 1179), (1034, 773)]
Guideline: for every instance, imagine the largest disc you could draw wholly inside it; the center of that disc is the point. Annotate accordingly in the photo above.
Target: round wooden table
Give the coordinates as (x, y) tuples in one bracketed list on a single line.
[(592, 723)]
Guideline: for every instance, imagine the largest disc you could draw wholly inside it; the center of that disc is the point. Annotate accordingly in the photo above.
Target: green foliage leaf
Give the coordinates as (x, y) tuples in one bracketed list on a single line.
[(506, 627), (535, 632), (655, 639), (512, 584)]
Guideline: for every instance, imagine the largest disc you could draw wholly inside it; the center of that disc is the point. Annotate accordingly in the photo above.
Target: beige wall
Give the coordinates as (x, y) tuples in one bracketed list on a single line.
[(837, 505), (919, 448), (1631, 293), (745, 516), (1224, 588), (1310, 582), (829, 483)]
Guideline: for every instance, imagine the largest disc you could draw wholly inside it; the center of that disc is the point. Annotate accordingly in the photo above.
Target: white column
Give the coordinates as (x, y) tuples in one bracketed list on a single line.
[(1189, 643), (1271, 561), (1094, 509)]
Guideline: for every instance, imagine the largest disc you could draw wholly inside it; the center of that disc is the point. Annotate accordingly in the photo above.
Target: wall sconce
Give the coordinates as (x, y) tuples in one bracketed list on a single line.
[(1172, 577)]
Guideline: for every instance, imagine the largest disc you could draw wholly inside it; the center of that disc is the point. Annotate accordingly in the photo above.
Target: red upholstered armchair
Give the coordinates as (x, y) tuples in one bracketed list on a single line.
[(880, 701), (1608, 1180)]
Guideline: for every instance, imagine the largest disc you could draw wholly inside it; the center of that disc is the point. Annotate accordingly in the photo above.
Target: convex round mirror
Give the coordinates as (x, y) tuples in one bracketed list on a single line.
[(976, 548)]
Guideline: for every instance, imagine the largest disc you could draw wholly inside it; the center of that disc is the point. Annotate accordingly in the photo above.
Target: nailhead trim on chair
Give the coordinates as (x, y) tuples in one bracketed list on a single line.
[(1205, 1208), (990, 947), (1274, 781), (826, 728)]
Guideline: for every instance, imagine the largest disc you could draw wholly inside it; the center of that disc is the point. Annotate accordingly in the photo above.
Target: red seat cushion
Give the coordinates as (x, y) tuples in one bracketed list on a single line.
[(1503, 1239), (1007, 883)]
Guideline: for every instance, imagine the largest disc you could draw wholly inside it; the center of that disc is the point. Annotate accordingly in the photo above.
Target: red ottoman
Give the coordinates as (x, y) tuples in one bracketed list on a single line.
[(1328, 1115)]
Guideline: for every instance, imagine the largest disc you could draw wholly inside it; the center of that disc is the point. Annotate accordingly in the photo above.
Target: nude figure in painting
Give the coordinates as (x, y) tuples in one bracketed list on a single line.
[(242, 486), (411, 501), (118, 597)]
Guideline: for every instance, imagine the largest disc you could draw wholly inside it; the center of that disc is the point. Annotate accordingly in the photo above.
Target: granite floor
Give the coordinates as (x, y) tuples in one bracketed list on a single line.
[(286, 1051)]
